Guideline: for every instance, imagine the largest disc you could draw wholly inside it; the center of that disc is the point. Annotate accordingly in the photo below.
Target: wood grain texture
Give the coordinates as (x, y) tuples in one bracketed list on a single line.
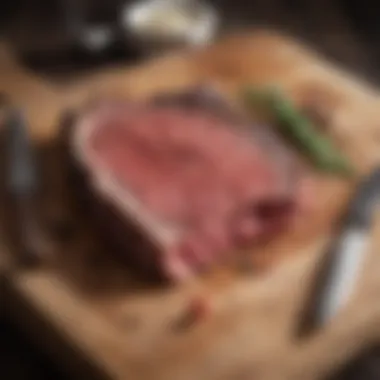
[(126, 328)]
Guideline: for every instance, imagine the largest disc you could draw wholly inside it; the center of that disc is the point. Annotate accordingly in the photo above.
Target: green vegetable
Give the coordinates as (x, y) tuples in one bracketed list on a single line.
[(296, 127)]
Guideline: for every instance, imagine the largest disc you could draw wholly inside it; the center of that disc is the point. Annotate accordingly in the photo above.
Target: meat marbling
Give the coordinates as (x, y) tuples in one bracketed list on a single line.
[(191, 183)]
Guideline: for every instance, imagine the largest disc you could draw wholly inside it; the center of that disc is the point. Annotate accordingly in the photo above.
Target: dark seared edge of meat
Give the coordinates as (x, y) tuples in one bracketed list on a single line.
[(110, 227), (113, 229)]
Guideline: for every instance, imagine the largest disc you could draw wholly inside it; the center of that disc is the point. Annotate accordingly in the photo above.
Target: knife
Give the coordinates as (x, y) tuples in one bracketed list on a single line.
[(22, 173), (22, 188), (347, 254)]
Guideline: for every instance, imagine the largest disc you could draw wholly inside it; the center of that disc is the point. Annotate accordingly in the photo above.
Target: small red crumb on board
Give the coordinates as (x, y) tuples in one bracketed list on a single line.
[(196, 311)]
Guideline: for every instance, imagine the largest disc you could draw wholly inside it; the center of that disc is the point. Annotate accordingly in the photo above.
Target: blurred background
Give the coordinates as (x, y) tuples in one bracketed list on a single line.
[(47, 35), (48, 32)]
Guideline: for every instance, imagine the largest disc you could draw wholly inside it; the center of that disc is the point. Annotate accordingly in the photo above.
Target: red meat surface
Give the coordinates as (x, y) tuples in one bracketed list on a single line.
[(216, 185)]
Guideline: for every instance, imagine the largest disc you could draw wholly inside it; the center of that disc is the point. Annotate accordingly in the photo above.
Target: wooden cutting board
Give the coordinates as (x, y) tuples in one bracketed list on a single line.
[(127, 330)]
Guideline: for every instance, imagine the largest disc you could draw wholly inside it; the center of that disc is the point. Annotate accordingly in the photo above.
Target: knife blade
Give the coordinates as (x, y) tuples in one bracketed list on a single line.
[(347, 254), (22, 178), (22, 187)]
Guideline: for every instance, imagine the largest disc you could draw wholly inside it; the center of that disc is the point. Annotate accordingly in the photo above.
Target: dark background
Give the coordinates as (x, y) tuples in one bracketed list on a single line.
[(346, 31)]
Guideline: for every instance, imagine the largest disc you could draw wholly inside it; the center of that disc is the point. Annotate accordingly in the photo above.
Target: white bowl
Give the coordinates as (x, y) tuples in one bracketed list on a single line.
[(196, 24)]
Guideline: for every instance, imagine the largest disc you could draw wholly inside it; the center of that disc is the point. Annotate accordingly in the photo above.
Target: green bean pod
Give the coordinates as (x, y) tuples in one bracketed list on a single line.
[(299, 130)]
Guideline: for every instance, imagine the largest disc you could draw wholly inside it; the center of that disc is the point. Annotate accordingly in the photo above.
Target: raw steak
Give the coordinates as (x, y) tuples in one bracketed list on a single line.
[(182, 178)]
